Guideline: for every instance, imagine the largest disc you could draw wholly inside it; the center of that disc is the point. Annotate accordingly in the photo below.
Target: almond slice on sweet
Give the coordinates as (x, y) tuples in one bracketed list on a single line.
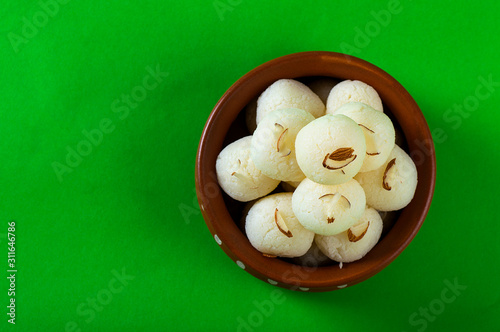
[(280, 222), (357, 232), (341, 155)]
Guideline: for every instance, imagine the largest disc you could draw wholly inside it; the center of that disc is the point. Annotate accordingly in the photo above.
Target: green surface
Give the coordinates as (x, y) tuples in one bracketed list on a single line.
[(122, 224)]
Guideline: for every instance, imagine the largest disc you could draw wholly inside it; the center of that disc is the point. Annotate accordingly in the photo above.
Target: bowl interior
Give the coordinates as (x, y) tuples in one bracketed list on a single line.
[(239, 129), (227, 123)]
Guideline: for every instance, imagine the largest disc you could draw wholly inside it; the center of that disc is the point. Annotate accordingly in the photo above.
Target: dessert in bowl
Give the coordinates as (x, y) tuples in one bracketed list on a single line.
[(225, 216)]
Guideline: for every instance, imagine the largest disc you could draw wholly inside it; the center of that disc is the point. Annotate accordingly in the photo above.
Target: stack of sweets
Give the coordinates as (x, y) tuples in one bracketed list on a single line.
[(338, 164)]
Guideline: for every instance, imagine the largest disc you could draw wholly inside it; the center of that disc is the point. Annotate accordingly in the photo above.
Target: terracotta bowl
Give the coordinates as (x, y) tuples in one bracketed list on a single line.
[(226, 124)]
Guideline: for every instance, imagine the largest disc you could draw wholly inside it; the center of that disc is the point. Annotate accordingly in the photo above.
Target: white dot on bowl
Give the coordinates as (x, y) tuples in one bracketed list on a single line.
[(272, 282), (219, 242), (240, 264), (342, 286), (304, 289)]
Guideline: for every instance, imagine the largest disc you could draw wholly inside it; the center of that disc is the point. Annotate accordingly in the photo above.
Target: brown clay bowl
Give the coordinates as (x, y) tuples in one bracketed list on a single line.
[(226, 124)]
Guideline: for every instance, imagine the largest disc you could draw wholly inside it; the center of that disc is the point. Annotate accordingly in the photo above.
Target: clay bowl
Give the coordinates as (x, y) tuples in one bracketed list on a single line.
[(226, 124)]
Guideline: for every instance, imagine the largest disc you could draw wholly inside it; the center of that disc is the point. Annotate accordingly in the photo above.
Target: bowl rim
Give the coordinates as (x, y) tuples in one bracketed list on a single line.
[(293, 66)]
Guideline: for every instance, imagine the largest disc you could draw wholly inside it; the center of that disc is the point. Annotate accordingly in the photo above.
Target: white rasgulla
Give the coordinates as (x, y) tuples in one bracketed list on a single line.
[(356, 242), (273, 144), (391, 186), (237, 174), (286, 93), (348, 91), (328, 210), (322, 87), (331, 149), (378, 129), (273, 229)]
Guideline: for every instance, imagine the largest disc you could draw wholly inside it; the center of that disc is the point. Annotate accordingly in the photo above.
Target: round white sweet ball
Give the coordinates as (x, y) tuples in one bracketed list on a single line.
[(391, 186), (273, 143), (356, 242), (237, 174), (273, 229), (286, 93), (348, 91), (326, 209), (378, 129), (331, 149)]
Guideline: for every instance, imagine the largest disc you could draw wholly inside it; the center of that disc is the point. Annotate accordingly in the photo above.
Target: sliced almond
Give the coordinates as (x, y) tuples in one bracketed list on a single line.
[(363, 126), (339, 155), (332, 202), (280, 222), (357, 232), (241, 177), (245, 179), (368, 153), (347, 201), (278, 143), (336, 195), (269, 256), (326, 195), (332, 199), (389, 165)]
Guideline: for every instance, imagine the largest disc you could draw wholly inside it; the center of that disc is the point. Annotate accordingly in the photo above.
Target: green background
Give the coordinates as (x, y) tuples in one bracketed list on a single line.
[(129, 206)]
